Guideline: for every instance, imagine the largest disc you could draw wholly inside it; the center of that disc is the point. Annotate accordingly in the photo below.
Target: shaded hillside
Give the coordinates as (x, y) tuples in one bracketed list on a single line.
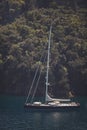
[(24, 33)]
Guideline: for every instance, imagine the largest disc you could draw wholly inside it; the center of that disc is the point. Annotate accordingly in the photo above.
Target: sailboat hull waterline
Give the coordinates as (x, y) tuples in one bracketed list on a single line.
[(61, 106)]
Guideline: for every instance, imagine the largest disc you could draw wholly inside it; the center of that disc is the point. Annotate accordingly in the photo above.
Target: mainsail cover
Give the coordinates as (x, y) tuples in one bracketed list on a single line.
[(49, 99)]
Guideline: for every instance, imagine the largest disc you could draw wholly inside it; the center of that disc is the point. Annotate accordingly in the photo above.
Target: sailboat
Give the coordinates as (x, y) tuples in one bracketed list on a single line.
[(50, 103)]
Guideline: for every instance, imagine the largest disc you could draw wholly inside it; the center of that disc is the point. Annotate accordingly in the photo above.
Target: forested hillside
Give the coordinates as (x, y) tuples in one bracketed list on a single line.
[(24, 30)]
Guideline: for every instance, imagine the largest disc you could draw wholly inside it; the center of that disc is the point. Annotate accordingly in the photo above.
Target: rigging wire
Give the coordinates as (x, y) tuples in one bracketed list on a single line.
[(34, 79), (37, 82), (36, 87)]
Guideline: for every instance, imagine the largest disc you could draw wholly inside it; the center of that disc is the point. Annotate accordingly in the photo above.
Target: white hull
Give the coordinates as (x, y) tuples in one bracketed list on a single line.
[(60, 106)]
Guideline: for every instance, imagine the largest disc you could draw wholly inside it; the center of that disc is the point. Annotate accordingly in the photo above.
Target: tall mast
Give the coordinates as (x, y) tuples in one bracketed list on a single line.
[(48, 59)]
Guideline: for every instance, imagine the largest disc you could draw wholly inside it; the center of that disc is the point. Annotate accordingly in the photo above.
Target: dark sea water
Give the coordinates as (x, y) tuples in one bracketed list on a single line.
[(13, 116)]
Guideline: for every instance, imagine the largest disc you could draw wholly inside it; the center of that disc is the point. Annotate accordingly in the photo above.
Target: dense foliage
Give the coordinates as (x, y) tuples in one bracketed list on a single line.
[(24, 29)]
